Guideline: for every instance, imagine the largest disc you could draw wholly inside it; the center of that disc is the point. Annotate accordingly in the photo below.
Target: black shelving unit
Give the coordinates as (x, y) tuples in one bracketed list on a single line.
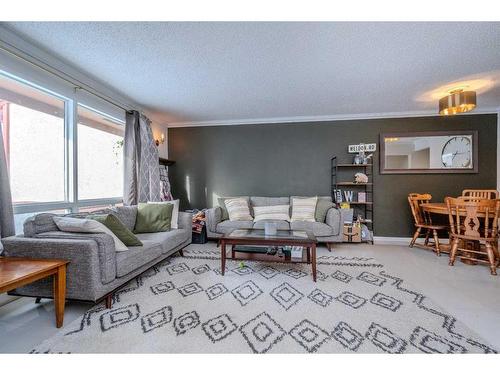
[(342, 178)]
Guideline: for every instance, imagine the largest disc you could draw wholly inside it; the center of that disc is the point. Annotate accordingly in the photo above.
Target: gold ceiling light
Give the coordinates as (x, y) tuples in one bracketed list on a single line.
[(458, 101)]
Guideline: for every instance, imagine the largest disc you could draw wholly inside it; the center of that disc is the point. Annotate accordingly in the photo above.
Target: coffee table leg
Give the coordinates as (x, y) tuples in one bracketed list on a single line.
[(60, 294), (223, 256), (313, 260)]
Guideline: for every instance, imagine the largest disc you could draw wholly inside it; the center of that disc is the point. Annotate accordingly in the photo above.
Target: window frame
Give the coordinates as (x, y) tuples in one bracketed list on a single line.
[(71, 201)]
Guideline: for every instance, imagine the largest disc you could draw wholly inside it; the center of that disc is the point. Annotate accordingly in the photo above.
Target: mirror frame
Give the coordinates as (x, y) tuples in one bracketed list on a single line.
[(475, 163)]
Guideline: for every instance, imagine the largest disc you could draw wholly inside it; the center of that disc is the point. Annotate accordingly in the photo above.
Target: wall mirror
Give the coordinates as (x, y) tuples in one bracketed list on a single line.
[(429, 152)]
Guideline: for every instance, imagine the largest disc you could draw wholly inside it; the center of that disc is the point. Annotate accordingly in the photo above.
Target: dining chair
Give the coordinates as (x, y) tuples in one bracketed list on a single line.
[(480, 194), (422, 221), (476, 222)]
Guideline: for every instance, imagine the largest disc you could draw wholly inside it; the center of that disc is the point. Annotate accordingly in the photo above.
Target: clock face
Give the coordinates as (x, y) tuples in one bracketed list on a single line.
[(457, 153)]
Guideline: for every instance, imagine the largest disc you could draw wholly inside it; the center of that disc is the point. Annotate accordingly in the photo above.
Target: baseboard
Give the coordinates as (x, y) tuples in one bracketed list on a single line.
[(378, 240), (399, 240)]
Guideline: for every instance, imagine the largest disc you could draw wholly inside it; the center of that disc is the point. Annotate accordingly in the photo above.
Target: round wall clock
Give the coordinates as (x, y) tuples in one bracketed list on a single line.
[(457, 153)]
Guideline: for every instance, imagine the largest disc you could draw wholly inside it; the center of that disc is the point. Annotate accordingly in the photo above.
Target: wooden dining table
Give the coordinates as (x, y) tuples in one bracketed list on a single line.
[(441, 208)]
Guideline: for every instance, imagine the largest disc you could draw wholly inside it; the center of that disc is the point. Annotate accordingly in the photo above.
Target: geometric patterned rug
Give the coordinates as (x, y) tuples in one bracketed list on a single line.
[(184, 305)]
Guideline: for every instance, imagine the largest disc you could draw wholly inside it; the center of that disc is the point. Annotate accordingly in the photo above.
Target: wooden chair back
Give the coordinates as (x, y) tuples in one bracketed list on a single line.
[(419, 216), (473, 219), (480, 194)]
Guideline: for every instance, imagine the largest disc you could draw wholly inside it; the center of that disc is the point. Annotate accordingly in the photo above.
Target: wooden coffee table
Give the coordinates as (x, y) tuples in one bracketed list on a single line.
[(257, 237), (17, 272)]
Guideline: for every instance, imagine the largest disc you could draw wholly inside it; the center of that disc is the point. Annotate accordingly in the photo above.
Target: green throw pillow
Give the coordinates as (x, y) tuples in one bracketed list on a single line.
[(322, 208), (118, 228), (153, 217)]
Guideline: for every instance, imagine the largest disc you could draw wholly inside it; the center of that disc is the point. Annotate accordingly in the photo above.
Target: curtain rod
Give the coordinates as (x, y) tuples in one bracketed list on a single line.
[(77, 84)]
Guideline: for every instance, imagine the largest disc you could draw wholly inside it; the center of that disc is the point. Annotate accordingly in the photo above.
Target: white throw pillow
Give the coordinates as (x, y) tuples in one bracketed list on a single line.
[(174, 223), (303, 209), (76, 225), (238, 209), (281, 212)]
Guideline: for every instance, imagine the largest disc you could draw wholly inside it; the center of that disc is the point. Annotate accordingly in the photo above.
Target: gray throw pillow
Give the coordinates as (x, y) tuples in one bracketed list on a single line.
[(322, 207)]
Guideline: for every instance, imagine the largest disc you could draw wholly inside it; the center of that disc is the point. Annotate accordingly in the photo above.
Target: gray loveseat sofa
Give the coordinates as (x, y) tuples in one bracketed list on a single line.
[(328, 232), (95, 270)]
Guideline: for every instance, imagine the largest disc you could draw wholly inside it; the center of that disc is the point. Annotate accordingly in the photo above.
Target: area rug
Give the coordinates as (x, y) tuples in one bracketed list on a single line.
[(185, 305)]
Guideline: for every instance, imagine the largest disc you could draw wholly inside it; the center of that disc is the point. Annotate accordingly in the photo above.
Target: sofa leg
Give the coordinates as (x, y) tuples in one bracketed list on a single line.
[(109, 301), (329, 246), (38, 299), (181, 253)]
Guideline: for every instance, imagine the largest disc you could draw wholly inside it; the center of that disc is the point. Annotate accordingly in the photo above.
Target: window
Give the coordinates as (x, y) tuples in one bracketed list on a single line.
[(100, 155), (59, 162), (33, 129)]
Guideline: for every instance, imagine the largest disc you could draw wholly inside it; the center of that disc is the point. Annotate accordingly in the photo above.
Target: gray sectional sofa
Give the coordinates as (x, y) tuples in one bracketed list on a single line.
[(328, 232), (95, 270)]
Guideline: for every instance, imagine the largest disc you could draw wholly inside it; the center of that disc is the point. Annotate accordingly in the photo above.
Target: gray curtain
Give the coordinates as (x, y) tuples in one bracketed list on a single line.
[(6, 213), (141, 175)]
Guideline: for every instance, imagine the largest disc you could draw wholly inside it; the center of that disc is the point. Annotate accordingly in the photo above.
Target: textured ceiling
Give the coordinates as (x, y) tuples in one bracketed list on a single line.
[(235, 71)]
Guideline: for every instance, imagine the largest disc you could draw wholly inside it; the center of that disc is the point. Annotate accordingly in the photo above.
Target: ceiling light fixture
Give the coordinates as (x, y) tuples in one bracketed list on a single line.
[(458, 101)]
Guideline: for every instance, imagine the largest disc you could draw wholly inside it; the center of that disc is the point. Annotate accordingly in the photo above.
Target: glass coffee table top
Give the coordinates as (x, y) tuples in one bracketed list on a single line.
[(296, 235)]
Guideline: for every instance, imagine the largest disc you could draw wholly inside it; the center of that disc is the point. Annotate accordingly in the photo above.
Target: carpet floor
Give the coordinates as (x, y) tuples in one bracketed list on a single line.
[(185, 305)]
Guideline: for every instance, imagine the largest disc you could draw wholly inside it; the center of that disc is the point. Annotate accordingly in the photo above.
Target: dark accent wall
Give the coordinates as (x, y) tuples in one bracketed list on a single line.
[(294, 159)]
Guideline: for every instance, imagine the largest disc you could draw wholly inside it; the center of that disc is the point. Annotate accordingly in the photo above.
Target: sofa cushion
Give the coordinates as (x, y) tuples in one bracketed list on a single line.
[(238, 209), (304, 209), (269, 201), (119, 229), (281, 212), (153, 217), (137, 256), (318, 229), (322, 207), (167, 240), (39, 224), (221, 201), (281, 224), (228, 225), (126, 214)]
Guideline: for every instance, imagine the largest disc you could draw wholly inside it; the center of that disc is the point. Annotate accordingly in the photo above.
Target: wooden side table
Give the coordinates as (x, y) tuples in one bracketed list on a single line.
[(17, 272)]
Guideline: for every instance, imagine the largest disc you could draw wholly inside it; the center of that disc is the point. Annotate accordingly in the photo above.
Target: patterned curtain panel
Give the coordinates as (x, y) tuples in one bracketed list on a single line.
[(6, 213), (165, 194), (141, 175)]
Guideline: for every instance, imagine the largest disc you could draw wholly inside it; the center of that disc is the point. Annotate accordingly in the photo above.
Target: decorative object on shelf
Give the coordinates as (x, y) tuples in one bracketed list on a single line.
[(457, 101), (360, 178), (161, 140), (352, 233), (452, 151), (361, 157), (348, 195), (345, 206), (337, 196), (361, 196), (366, 159)]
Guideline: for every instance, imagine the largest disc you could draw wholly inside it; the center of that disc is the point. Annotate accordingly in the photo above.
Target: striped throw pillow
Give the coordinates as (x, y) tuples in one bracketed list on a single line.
[(303, 209), (281, 212), (238, 209)]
